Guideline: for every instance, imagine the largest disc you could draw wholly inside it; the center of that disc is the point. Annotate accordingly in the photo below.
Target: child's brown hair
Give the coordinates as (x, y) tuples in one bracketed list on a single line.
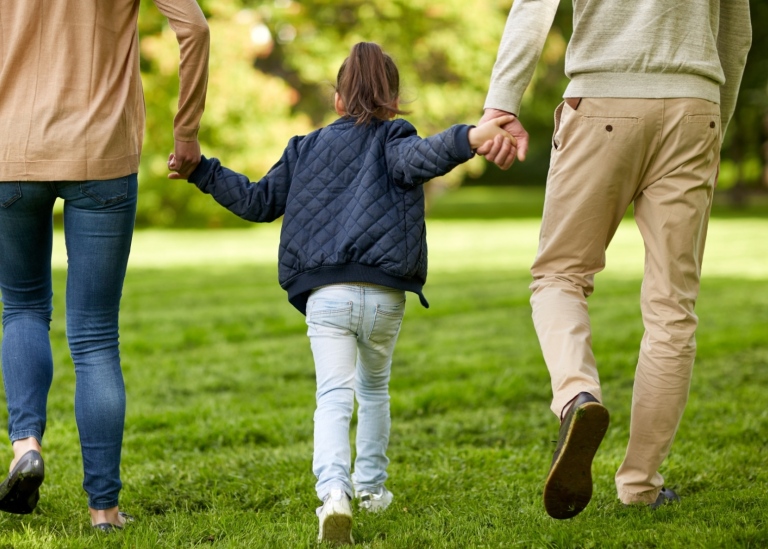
[(369, 84)]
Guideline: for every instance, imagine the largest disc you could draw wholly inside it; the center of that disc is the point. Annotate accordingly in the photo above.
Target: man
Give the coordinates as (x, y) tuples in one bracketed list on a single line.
[(652, 87), (71, 126)]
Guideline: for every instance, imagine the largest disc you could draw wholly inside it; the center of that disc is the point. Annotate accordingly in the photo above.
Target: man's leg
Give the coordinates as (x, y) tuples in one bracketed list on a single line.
[(599, 154), (597, 160), (672, 213)]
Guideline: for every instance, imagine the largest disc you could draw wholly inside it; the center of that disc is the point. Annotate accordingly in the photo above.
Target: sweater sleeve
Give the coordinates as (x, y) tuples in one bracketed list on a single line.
[(521, 45), (413, 161), (260, 202), (733, 41), (188, 22)]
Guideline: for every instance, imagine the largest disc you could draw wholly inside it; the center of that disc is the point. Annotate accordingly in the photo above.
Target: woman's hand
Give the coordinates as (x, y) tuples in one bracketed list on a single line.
[(184, 159)]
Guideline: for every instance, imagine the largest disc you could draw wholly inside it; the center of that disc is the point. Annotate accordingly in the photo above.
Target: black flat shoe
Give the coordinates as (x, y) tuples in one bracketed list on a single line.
[(109, 527), (568, 488), (19, 492)]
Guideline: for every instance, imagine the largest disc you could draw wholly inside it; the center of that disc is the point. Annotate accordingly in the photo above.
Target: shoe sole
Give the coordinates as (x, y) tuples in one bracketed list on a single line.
[(337, 529), (568, 488)]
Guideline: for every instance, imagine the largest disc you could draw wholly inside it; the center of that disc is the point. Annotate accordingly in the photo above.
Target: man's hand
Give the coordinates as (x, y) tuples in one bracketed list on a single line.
[(487, 132), (184, 159), (499, 150)]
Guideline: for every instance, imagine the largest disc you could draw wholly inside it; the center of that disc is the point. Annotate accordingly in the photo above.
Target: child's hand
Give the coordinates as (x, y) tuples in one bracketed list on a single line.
[(490, 130), (184, 159)]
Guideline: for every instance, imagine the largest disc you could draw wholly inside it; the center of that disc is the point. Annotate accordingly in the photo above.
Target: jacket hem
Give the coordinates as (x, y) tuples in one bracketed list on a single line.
[(301, 286)]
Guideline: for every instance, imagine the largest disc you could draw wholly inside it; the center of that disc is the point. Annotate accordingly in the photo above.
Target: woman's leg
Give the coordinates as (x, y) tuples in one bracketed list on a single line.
[(98, 222), (25, 282)]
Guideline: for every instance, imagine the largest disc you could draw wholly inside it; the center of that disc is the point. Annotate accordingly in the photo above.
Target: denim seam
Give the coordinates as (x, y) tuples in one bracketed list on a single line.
[(360, 327), (99, 199), (26, 433), (14, 198), (102, 506)]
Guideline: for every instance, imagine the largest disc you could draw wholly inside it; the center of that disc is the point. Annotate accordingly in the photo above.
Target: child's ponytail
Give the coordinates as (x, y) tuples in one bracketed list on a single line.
[(369, 84)]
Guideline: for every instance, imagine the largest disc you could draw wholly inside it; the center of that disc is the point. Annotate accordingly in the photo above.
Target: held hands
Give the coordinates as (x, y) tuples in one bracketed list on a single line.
[(184, 159), (502, 152), (487, 134)]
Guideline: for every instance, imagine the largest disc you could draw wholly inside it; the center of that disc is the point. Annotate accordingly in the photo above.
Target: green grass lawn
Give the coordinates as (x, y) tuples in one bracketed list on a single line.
[(220, 382)]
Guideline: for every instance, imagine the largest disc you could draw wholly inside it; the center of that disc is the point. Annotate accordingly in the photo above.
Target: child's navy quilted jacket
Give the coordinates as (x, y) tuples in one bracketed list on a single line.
[(352, 199)]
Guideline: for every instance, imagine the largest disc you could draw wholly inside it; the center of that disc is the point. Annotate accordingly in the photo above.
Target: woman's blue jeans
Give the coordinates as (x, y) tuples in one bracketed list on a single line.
[(98, 226), (352, 330)]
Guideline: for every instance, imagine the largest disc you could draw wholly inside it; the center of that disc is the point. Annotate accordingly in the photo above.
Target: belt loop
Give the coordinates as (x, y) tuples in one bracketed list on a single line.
[(573, 102)]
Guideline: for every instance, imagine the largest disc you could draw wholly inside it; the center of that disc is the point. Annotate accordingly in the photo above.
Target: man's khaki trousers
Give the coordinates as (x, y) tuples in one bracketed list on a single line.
[(662, 156)]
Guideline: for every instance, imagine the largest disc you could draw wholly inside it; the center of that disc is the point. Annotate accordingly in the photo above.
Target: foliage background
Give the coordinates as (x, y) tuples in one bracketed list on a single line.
[(273, 65)]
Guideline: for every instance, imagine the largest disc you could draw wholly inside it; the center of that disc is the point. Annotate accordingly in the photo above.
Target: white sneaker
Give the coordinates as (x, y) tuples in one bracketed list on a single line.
[(374, 501), (336, 518)]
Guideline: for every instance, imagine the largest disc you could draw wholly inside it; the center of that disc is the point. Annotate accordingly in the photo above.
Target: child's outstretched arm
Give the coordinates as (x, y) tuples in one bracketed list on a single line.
[(412, 160), (261, 201)]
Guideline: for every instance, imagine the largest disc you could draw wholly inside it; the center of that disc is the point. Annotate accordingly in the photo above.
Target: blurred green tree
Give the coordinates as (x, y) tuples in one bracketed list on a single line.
[(744, 167), (248, 119), (272, 71), (273, 67)]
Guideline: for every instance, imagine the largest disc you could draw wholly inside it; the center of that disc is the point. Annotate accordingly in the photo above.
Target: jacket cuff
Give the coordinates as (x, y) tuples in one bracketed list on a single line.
[(198, 174), (461, 141)]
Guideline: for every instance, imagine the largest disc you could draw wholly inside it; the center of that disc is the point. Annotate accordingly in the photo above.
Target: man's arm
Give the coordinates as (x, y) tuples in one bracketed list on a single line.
[(521, 45), (188, 22), (733, 41)]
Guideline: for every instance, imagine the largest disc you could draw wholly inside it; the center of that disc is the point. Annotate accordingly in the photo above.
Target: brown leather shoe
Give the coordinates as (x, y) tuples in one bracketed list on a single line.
[(568, 488)]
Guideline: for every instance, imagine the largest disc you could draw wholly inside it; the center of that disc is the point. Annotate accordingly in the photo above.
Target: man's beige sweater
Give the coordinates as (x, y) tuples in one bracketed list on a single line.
[(71, 100), (640, 49)]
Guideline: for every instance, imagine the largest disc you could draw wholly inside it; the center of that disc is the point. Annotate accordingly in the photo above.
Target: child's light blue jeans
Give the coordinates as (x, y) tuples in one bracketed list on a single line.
[(352, 330)]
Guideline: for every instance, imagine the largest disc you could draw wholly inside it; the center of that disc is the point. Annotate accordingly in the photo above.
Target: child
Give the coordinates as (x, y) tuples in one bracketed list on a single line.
[(353, 241)]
